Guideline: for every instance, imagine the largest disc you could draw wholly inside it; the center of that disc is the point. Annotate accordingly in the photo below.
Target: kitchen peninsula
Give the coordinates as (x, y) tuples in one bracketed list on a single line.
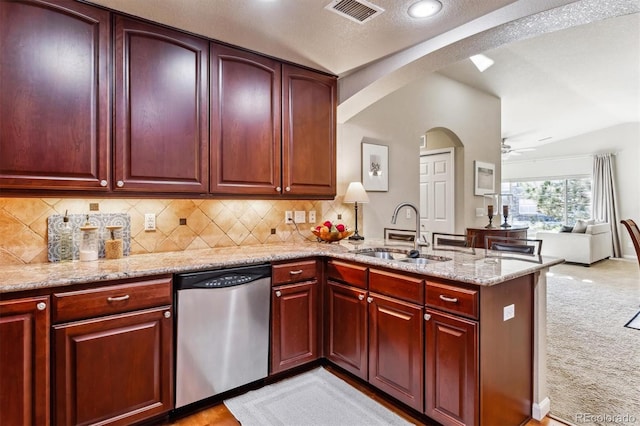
[(474, 324)]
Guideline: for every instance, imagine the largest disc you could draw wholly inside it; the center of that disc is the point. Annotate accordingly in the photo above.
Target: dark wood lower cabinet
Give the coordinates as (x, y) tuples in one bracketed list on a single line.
[(396, 349), (114, 370), (294, 325), (347, 341), (451, 369), (24, 361)]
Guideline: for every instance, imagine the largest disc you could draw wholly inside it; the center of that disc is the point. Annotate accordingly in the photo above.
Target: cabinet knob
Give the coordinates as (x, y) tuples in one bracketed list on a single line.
[(427, 317), (120, 184), (287, 189), (278, 293), (369, 299), (361, 297), (103, 182), (167, 314), (278, 189), (41, 306)]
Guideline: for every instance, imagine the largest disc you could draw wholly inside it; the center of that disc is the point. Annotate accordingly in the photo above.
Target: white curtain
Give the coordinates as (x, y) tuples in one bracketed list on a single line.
[(604, 198)]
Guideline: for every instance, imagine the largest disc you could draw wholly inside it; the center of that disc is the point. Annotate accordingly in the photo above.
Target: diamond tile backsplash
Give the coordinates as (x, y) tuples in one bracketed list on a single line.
[(209, 223)]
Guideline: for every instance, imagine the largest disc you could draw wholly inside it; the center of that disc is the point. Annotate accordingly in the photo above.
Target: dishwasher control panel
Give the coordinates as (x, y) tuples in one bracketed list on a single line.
[(222, 278), (224, 281)]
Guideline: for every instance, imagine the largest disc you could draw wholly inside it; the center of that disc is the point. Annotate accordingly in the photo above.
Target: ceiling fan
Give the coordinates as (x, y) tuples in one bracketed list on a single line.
[(508, 151)]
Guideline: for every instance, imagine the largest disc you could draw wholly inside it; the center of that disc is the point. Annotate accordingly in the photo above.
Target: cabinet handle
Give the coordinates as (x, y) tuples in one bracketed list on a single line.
[(449, 299), (103, 182), (167, 314), (41, 306), (287, 189), (369, 299), (120, 184), (117, 298), (278, 293), (298, 272), (427, 317), (361, 297), (278, 189)]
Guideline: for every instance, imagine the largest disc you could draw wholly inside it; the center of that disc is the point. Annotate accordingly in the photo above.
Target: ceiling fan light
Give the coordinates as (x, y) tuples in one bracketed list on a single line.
[(481, 62), (424, 8)]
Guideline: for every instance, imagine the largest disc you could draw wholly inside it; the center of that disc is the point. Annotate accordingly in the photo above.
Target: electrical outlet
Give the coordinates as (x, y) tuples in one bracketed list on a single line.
[(288, 216), (479, 212), (508, 312), (149, 221), (408, 214), (300, 216)]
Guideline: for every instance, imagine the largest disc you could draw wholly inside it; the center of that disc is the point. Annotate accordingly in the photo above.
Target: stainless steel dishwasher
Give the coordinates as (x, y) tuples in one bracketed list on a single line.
[(222, 321)]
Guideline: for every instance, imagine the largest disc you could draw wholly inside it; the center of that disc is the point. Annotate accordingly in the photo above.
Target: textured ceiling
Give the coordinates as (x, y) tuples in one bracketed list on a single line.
[(563, 67)]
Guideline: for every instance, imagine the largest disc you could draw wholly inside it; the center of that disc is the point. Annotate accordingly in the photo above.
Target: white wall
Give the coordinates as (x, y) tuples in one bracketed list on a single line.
[(398, 121), (574, 156)]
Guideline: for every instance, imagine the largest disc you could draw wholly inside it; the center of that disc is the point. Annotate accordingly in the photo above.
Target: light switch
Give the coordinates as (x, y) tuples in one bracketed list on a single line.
[(299, 216)]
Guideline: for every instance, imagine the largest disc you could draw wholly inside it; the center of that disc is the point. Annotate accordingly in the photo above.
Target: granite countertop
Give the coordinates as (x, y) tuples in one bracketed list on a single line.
[(466, 265)]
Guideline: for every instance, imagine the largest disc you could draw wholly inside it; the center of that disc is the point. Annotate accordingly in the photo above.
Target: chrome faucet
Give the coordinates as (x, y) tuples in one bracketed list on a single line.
[(394, 218)]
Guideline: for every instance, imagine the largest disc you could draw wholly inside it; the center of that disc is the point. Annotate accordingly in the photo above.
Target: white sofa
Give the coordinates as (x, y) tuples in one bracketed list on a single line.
[(586, 248)]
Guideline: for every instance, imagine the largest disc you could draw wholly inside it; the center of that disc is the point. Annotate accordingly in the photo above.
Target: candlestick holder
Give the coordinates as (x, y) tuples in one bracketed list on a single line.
[(490, 220), (505, 224)]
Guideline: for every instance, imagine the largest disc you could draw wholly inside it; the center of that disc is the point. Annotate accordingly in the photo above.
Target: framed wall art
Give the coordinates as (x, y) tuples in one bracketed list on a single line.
[(485, 181), (375, 167)]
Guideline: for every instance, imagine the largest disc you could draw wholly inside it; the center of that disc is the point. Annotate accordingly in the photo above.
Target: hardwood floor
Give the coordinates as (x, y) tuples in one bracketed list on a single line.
[(219, 415)]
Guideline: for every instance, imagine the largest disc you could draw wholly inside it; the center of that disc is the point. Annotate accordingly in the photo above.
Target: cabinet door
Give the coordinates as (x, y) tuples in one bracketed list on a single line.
[(347, 328), (451, 369), (24, 361), (294, 325), (396, 356), (54, 108), (245, 122), (162, 137), (114, 370), (309, 132)]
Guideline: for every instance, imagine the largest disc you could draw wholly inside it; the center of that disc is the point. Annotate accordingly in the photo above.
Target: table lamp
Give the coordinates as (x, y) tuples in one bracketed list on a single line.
[(356, 194)]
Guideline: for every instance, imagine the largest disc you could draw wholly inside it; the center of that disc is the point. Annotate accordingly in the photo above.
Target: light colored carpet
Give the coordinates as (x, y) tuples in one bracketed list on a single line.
[(313, 398), (593, 359)]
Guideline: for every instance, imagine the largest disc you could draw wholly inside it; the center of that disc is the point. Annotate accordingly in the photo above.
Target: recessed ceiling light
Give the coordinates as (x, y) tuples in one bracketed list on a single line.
[(481, 62), (424, 8)]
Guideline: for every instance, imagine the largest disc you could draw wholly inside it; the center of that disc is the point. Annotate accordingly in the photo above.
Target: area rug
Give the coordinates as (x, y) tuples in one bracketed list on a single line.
[(593, 360), (313, 398), (635, 322)]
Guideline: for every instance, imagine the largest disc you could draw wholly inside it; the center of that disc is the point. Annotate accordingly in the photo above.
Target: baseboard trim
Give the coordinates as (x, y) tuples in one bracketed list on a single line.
[(540, 410)]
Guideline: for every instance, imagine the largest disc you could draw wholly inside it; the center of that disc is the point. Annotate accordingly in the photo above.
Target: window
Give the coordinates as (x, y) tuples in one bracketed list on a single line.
[(549, 204)]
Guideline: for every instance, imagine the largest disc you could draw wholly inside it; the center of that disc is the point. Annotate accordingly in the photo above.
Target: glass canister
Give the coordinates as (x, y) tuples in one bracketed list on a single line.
[(89, 242), (113, 243)]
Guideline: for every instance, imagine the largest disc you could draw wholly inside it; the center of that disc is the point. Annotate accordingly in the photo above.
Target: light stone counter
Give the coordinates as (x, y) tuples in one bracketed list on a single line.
[(466, 265)]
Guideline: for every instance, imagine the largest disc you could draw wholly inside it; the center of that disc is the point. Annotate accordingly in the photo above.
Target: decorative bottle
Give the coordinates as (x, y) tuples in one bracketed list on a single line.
[(66, 240)]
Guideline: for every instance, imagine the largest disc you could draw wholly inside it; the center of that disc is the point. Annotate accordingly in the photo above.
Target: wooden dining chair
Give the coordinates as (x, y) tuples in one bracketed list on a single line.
[(443, 240), (513, 245), (634, 233)]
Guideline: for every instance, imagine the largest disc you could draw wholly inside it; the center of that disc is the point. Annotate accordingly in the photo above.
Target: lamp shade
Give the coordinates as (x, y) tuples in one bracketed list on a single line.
[(356, 194)]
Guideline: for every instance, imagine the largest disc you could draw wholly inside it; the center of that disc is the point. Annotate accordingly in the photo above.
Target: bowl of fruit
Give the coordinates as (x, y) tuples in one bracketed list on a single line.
[(331, 232)]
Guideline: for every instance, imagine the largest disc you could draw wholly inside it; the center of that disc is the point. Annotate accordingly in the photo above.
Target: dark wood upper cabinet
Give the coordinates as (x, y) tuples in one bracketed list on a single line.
[(308, 132), (245, 122), (161, 109), (55, 122), (24, 361)]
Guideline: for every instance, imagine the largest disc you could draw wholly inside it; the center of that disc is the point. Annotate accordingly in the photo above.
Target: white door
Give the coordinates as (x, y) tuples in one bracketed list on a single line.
[(436, 194)]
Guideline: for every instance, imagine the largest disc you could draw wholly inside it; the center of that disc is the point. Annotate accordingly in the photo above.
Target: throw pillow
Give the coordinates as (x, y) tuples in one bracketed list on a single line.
[(580, 227), (566, 228)]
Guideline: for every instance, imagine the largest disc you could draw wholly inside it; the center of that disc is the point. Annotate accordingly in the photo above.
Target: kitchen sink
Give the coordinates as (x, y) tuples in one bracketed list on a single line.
[(383, 253), (424, 259)]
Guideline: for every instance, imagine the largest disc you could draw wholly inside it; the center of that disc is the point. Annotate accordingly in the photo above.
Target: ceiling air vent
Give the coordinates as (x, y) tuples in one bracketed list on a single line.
[(360, 11)]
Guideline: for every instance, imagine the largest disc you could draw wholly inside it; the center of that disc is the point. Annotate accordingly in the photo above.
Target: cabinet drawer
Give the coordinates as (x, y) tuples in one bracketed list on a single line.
[(293, 272), (355, 275), (458, 300), (395, 285), (75, 305)]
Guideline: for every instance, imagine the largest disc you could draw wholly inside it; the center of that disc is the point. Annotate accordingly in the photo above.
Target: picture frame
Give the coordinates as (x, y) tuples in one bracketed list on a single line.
[(484, 178), (375, 167)]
